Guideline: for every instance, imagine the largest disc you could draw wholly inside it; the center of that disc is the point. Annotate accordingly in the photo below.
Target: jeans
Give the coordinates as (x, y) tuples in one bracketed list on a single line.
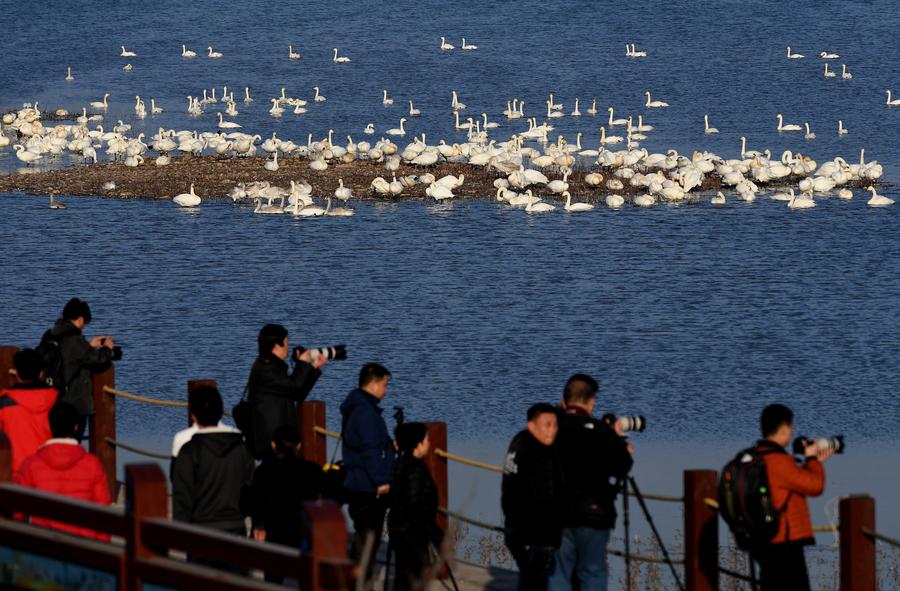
[(782, 567), (534, 562), (582, 553)]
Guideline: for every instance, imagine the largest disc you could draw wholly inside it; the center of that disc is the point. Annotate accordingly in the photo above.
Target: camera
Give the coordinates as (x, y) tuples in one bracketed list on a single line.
[(627, 423), (835, 444), (335, 353), (117, 353)]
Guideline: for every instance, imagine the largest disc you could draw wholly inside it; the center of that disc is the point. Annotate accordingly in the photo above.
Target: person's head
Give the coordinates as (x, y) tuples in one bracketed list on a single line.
[(581, 392), (205, 406), (273, 340), (286, 441), (374, 378), (542, 423), (29, 365), (65, 422), (77, 312), (777, 424), (412, 439)]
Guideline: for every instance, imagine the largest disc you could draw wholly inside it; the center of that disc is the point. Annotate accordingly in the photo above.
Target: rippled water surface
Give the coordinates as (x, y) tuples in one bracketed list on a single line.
[(693, 316)]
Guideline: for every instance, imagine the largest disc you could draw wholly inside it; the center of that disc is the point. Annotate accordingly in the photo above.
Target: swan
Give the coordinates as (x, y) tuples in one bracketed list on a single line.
[(536, 205), (439, 192), (386, 101), (154, 109), (446, 46), (213, 54), (370, 129), (593, 108), (788, 127), (707, 129), (126, 53), (162, 160), (793, 56), (185, 52), (612, 121), (343, 193), (845, 194), (551, 114), (841, 129), (293, 55), (127, 68), (413, 112), (489, 124), (719, 199), (829, 73), (559, 186), (337, 211), (272, 165), (468, 46), (614, 201), (276, 109), (636, 53), (844, 73), (877, 200), (828, 56), (576, 112), (892, 103), (268, 208), (804, 201), (569, 206), (134, 161), (227, 124), (101, 104), (69, 74), (339, 59), (26, 156), (654, 104), (189, 199), (319, 98), (398, 130), (310, 211), (54, 204), (247, 98), (645, 200), (809, 134)]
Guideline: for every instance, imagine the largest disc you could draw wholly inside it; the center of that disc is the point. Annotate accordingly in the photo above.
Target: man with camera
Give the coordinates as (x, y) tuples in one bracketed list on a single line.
[(781, 561), (273, 394), (71, 358), (595, 459)]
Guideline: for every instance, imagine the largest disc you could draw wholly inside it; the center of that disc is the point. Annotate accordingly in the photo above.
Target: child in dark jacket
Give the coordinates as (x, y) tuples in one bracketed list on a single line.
[(415, 536)]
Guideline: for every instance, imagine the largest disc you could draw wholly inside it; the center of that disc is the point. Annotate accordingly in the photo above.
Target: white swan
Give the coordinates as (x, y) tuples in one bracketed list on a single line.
[(645, 200), (829, 73), (535, 205), (845, 194), (319, 98), (828, 56), (154, 109), (272, 165), (457, 106), (268, 208), (213, 54), (615, 201), (845, 74), (468, 46), (386, 101), (398, 130), (310, 211), (337, 211), (69, 74), (593, 109), (189, 199), (809, 134), (370, 129), (804, 201), (185, 52), (343, 193), (793, 56), (446, 46), (227, 124), (613, 122), (576, 112), (706, 128), (247, 98), (841, 129), (489, 124), (126, 53), (54, 204), (26, 156), (635, 52), (788, 127), (877, 200), (293, 55), (892, 103), (719, 199), (101, 104), (654, 104), (569, 206), (339, 59), (413, 112)]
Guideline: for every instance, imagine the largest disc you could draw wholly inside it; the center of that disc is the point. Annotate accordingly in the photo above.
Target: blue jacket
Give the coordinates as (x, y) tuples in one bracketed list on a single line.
[(367, 448)]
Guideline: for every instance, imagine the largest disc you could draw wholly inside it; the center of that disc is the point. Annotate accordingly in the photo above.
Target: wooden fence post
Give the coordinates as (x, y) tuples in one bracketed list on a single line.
[(5, 458), (311, 414), (701, 531), (857, 549), (6, 365), (324, 532), (193, 385), (146, 496), (103, 424), (437, 435)]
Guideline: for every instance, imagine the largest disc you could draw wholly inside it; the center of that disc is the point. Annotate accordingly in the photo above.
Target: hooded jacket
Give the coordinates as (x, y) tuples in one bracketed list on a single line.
[(208, 477), (79, 360), (280, 486), (63, 467), (791, 484), (273, 395), (414, 503), (367, 448), (23, 417)]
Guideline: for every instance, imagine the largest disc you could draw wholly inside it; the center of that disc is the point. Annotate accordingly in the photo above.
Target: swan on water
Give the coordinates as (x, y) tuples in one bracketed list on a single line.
[(154, 109), (213, 54), (227, 124), (804, 201), (633, 52), (613, 122), (569, 206), (535, 205), (654, 104), (593, 108), (877, 200), (455, 104), (845, 74), (126, 53), (645, 200), (54, 204), (339, 59), (69, 74), (398, 130), (892, 103), (468, 46), (788, 127), (809, 134), (26, 156), (719, 199), (293, 55), (370, 129), (615, 201), (576, 112), (707, 129), (845, 194), (185, 52), (386, 101), (189, 199), (247, 98), (337, 211), (268, 208), (127, 68), (446, 46), (841, 129), (829, 73), (319, 98), (828, 56), (101, 104), (793, 56), (413, 112)]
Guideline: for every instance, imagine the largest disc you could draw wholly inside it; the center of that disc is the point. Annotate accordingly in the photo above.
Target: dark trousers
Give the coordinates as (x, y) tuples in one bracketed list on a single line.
[(367, 510), (782, 567), (411, 559), (535, 563)]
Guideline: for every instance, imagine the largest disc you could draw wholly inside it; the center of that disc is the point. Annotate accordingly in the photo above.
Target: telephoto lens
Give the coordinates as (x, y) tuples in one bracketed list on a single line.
[(335, 353), (632, 423), (835, 444)]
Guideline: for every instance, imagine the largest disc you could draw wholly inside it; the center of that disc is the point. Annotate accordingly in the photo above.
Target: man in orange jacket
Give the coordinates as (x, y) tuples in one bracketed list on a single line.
[(782, 563)]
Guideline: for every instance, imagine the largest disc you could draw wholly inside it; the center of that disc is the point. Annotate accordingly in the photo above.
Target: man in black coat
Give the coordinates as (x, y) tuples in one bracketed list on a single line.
[(532, 497), (595, 459), (80, 357), (273, 394)]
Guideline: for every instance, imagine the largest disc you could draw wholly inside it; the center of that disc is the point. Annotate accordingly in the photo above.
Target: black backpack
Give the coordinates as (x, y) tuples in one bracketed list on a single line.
[(51, 351), (745, 499)]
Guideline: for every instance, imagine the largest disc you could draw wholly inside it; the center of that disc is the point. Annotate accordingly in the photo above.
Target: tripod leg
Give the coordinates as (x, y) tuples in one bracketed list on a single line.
[(625, 524), (662, 546)]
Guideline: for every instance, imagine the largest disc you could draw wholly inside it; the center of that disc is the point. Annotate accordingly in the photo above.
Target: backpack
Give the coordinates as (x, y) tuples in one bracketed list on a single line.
[(745, 500), (50, 350)]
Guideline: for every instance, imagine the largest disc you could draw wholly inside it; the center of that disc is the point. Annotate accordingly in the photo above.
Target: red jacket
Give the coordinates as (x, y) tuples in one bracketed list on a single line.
[(23, 417), (63, 467), (791, 484)]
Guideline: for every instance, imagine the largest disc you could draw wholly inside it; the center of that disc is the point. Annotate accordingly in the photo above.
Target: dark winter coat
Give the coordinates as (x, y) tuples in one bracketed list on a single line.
[(23, 417), (273, 395), (208, 477), (594, 460), (414, 502), (280, 485), (531, 494), (367, 448), (79, 360)]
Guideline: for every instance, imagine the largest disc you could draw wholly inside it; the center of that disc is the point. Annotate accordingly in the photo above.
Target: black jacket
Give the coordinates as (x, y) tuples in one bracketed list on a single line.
[(273, 395), (414, 502), (532, 492), (79, 360), (594, 460), (367, 447), (280, 485), (208, 478)]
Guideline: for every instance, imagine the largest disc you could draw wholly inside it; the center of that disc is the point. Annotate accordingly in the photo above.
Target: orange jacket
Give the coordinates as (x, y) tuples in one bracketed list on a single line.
[(791, 484)]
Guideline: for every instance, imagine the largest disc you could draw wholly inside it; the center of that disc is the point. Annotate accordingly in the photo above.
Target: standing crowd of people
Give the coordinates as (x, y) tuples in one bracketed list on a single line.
[(561, 474)]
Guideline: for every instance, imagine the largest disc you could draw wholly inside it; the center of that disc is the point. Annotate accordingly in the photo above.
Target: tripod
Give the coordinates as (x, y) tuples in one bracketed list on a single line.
[(626, 523)]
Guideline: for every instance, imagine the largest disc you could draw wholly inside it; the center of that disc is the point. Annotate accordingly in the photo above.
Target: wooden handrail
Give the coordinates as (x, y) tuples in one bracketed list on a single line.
[(181, 575), (20, 499)]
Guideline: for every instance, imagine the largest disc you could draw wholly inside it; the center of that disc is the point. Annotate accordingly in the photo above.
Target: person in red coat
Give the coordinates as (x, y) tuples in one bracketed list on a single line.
[(61, 466), (24, 407)]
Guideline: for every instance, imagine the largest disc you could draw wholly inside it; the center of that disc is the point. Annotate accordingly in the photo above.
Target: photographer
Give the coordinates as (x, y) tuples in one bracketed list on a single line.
[(781, 561), (78, 358), (595, 459), (273, 394)]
